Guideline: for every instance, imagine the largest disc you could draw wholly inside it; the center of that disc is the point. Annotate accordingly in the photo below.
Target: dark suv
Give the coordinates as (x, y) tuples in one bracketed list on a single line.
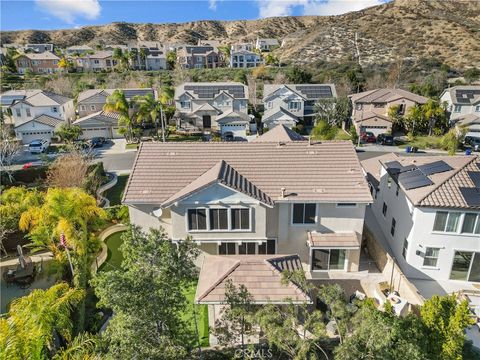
[(385, 139), (472, 142)]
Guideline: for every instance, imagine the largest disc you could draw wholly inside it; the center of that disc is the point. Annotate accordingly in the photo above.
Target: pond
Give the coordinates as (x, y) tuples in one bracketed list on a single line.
[(114, 255), (46, 277)]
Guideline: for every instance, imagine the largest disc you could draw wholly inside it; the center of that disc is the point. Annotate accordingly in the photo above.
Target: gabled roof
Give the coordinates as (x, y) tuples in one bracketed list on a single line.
[(266, 117), (79, 47), (310, 92), (233, 116), (210, 90), (385, 96), (326, 171), (464, 94), (268, 41), (45, 120), (260, 274), (100, 118), (11, 96), (46, 55), (44, 98), (370, 115), (103, 54), (207, 107), (129, 93), (220, 173), (280, 133), (467, 119)]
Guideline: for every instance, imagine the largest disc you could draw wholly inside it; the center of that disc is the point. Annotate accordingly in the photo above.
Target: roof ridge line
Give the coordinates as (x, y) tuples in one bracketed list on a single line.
[(220, 279)]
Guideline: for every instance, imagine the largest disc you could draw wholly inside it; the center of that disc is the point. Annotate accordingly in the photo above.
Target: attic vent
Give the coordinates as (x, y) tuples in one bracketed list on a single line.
[(311, 152), (319, 190), (146, 191), (171, 153), (280, 144)]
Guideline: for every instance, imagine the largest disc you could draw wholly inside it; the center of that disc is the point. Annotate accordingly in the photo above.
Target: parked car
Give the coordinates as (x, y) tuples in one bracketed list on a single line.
[(367, 137), (97, 142), (38, 146), (472, 142), (385, 139), (228, 136)]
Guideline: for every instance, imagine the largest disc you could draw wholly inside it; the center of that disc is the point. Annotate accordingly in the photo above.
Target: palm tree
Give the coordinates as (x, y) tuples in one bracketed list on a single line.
[(74, 213), (28, 329), (117, 102), (82, 347), (151, 109)]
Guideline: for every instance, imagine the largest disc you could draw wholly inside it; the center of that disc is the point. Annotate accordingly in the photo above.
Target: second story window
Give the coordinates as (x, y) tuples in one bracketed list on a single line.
[(197, 219), (405, 248), (294, 105), (471, 223), (55, 109), (218, 219), (240, 219), (92, 107), (392, 229), (446, 221), (18, 112), (477, 108), (83, 107), (27, 110), (384, 209), (185, 104), (457, 108), (431, 257), (304, 213)]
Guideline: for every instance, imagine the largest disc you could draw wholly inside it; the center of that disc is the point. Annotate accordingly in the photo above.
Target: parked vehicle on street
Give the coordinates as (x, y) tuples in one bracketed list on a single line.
[(472, 142), (38, 146), (385, 139), (367, 137)]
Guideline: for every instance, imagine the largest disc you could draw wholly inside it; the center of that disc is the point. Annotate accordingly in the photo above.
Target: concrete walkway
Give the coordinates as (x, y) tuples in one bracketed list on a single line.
[(38, 257)]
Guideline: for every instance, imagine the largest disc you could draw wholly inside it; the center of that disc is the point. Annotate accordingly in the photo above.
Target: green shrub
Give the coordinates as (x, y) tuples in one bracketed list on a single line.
[(118, 214)]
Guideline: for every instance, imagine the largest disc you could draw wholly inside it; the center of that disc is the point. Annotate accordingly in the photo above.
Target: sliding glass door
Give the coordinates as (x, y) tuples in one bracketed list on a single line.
[(328, 259), (466, 266)]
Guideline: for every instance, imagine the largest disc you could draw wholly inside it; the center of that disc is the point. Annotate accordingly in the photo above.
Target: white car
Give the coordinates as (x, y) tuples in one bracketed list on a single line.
[(38, 146)]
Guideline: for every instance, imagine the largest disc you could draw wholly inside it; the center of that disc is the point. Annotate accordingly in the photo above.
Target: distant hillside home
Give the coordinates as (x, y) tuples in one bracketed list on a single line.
[(370, 108), (91, 101), (44, 63), (199, 57), (39, 48), (99, 124), (221, 107), (214, 43), (36, 113), (98, 61), (78, 50), (245, 59), (428, 208), (151, 55), (242, 46), (266, 44), (464, 107), (290, 104), (115, 46), (156, 62)]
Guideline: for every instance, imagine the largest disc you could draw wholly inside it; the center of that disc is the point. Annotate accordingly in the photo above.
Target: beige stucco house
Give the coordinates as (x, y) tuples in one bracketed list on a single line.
[(42, 63), (463, 105), (370, 108)]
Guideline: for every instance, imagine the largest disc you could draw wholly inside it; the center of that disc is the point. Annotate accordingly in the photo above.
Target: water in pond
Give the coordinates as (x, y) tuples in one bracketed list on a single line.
[(45, 278)]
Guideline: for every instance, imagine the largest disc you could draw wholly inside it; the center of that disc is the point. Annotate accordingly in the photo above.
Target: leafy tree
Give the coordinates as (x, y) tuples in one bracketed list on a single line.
[(225, 50), (9, 64), (436, 115), (446, 320), (324, 131), (237, 318), (75, 214), (9, 149), (171, 59), (297, 75), (117, 102), (333, 110), (69, 133), (65, 64), (28, 329), (356, 78), (241, 77), (471, 75), (147, 297), (82, 347), (394, 114), (150, 110), (271, 59), (414, 121)]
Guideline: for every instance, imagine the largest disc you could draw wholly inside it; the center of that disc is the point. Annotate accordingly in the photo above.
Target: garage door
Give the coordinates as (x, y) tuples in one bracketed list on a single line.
[(95, 132), (376, 130), (236, 130), (29, 136), (116, 135)]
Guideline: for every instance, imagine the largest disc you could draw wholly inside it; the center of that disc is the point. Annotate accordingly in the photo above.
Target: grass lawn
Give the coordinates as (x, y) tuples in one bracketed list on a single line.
[(132, 146), (178, 138), (424, 142), (201, 312), (342, 135), (114, 255), (115, 193)]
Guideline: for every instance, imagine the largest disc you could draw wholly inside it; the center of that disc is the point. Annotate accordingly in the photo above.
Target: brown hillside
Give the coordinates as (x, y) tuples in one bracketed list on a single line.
[(446, 29)]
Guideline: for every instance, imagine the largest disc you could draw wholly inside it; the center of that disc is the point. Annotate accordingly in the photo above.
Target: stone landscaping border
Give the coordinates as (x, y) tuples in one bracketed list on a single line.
[(100, 259), (102, 199)]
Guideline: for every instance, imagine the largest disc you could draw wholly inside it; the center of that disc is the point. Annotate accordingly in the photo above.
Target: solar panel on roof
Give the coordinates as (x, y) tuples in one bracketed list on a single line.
[(475, 176), (210, 91), (408, 168), (471, 196), (413, 179), (393, 165), (435, 167), (315, 92)]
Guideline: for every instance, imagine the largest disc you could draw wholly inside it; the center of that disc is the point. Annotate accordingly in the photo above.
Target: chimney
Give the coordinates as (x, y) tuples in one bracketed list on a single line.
[(283, 192)]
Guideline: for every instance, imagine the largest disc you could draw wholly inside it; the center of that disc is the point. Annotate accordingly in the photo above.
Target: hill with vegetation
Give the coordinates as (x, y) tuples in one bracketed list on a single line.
[(447, 30)]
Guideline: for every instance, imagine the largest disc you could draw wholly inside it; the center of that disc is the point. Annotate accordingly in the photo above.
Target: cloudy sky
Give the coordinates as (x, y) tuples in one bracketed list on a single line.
[(57, 14)]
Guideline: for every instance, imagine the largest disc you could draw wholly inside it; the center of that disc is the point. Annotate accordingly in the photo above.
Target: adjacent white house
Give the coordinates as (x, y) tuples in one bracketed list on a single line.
[(99, 124), (429, 210), (266, 44), (37, 113), (214, 106), (292, 104), (245, 59), (463, 104)]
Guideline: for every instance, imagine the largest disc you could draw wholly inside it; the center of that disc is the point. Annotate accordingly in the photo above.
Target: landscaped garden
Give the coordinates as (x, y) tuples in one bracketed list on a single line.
[(114, 255), (115, 193), (198, 312)]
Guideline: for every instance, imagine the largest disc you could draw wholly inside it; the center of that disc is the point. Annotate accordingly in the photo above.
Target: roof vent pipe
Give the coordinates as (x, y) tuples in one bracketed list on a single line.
[(309, 140), (283, 192)]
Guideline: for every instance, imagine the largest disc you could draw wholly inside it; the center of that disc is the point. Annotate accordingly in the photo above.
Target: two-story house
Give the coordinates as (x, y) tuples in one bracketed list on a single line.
[(256, 198), (290, 104), (78, 50), (428, 208), (199, 57), (42, 63), (98, 61), (244, 59), (266, 44), (216, 106), (242, 46), (463, 104), (370, 108), (151, 55), (39, 48), (37, 114)]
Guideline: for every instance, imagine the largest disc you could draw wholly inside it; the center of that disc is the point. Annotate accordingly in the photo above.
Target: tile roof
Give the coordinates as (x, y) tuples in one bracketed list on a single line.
[(47, 55), (44, 98), (446, 188), (44, 119), (100, 118), (464, 94), (233, 116), (280, 133), (129, 93), (221, 173), (467, 119), (322, 172), (386, 95), (333, 240), (365, 115), (103, 54), (260, 274)]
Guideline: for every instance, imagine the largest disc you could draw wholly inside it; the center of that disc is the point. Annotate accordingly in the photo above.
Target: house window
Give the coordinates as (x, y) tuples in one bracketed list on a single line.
[(457, 108), (197, 219), (389, 182), (18, 112), (304, 213), (247, 248), (218, 219), (54, 109), (294, 105), (466, 266), (269, 105), (96, 61), (83, 108), (446, 221), (398, 189), (431, 257), (27, 110), (92, 107), (477, 108), (347, 205), (185, 104), (471, 224), (268, 247), (384, 209), (405, 248), (401, 109), (227, 249), (240, 219), (328, 259), (392, 229)]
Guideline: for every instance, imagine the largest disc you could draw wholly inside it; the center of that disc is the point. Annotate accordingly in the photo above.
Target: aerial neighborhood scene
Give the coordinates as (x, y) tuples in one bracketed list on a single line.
[(248, 179)]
